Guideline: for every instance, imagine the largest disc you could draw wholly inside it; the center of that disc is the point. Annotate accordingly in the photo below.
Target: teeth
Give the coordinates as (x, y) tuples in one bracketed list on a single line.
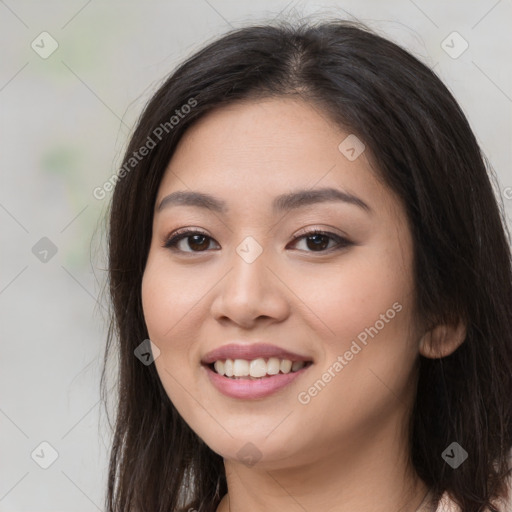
[(240, 368), (228, 368), (219, 367), (297, 365), (286, 366), (273, 366), (256, 368)]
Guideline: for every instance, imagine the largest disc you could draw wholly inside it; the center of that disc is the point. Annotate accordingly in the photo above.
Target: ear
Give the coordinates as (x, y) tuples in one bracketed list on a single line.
[(442, 340)]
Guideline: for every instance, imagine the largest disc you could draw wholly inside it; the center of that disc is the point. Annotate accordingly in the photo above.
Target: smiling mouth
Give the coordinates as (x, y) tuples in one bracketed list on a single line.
[(256, 369)]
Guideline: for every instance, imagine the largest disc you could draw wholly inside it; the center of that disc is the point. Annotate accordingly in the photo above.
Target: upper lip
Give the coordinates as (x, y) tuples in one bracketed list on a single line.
[(250, 352)]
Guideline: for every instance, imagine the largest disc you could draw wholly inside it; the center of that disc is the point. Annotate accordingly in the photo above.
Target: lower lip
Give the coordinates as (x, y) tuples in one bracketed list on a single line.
[(252, 389)]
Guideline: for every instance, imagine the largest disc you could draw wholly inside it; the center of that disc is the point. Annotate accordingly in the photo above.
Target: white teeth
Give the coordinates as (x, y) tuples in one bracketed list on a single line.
[(219, 367), (240, 368), (257, 368), (273, 366), (228, 368), (286, 366)]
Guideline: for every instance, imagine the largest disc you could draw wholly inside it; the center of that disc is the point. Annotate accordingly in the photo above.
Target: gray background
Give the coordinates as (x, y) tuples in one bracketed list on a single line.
[(64, 122)]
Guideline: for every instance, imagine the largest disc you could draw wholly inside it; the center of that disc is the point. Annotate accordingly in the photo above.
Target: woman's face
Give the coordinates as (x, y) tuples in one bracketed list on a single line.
[(341, 302)]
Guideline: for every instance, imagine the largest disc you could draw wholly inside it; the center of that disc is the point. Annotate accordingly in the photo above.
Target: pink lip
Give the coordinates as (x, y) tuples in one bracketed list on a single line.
[(250, 352), (252, 389)]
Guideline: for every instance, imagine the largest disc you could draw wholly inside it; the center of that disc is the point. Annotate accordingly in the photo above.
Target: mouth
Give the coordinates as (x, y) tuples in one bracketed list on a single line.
[(256, 369), (253, 371)]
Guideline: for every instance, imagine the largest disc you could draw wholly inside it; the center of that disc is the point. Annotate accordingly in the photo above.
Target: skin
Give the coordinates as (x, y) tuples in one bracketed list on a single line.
[(350, 438)]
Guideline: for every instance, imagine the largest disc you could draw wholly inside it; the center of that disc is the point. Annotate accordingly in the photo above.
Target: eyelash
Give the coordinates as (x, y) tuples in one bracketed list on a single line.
[(184, 233)]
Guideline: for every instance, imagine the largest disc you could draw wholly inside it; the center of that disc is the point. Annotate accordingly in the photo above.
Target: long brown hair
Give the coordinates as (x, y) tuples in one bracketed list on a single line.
[(427, 154)]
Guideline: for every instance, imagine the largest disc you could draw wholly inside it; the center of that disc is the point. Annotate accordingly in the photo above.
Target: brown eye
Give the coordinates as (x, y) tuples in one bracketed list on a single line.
[(197, 241), (318, 241)]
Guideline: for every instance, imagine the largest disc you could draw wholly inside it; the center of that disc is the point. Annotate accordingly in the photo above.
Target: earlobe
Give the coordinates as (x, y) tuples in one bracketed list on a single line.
[(442, 340)]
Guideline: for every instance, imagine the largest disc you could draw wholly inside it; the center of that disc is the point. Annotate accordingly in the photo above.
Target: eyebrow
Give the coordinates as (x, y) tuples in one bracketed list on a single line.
[(285, 202)]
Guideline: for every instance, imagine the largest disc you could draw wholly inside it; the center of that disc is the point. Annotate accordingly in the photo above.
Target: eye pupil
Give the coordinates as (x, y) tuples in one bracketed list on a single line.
[(193, 244), (320, 241)]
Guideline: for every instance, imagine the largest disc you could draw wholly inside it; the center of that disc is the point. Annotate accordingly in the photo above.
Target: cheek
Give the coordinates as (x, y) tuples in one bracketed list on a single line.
[(368, 364), (170, 301), (156, 295), (168, 309), (351, 295)]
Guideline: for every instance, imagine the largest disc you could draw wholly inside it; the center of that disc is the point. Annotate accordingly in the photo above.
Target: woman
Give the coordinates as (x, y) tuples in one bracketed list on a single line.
[(304, 228)]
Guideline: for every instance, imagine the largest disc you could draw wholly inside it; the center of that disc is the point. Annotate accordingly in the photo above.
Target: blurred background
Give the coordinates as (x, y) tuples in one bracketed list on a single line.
[(74, 77)]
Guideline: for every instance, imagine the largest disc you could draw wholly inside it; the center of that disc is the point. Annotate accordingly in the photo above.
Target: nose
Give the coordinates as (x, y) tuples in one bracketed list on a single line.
[(250, 292)]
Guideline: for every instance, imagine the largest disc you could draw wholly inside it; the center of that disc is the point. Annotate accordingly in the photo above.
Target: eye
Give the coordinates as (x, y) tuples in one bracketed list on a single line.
[(318, 241), (198, 241)]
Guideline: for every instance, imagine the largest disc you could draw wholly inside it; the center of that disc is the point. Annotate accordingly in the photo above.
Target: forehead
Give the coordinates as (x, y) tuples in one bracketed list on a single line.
[(269, 128), (252, 151)]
